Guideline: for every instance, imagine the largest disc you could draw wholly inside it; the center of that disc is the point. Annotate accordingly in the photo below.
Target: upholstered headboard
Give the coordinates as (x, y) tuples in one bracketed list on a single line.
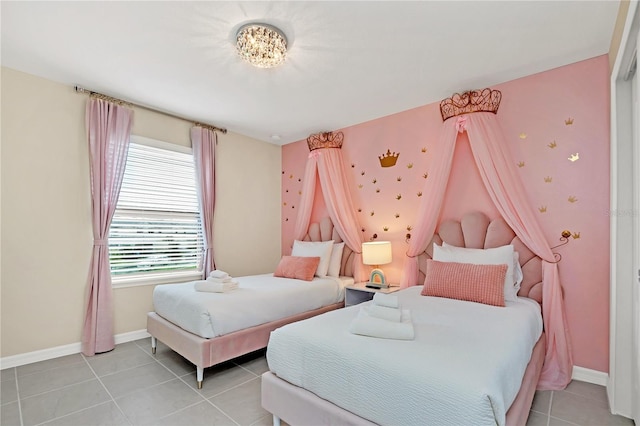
[(325, 231), (475, 230)]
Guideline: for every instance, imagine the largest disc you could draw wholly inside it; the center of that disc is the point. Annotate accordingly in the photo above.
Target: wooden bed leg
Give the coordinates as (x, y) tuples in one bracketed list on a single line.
[(154, 344), (276, 420), (199, 376)]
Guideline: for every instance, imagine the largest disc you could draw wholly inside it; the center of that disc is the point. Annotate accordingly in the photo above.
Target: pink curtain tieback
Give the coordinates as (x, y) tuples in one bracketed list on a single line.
[(100, 242), (461, 124)]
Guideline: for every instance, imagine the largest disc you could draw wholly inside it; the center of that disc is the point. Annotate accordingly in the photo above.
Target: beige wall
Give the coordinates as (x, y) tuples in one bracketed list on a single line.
[(616, 37), (46, 213)]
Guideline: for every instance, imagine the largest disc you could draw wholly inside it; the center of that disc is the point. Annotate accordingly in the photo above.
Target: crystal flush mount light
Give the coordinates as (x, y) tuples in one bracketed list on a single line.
[(262, 45)]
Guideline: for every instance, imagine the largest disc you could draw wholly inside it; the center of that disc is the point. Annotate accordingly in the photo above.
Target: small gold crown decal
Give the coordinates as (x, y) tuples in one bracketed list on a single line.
[(572, 199), (426, 175), (521, 164), (397, 215), (409, 227), (576, 235), (388, 159), (362, 173), (574, 157), (523, 135), (374, 181), (377, 190), (353, 165), (360, 210), (399, 196), (290, 176), (410, 165), (568, 121), (399, 178), (372, 213), (284, 204), (360, 186), (299, 192), (548, 179), (420, 194), (325, 140), (424, 149), (286, 219), (385, 229), (542, 209), (553, 144)]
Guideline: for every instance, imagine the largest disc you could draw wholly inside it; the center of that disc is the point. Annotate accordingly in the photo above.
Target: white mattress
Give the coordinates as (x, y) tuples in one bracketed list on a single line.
[(464, 367), (259, 299)]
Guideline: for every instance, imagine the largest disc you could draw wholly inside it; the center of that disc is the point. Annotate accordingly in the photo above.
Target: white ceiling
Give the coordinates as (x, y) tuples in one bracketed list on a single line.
[(348, 61)]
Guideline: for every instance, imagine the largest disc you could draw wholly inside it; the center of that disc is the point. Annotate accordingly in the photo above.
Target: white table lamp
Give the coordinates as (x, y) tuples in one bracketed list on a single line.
[(377, 253)]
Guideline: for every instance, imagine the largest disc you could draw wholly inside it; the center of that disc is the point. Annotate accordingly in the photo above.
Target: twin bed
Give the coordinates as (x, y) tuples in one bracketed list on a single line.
[(210, 328), (469, 363)]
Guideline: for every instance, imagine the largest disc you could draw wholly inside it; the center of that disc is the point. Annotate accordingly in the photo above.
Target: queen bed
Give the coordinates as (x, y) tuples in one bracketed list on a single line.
[(209, 328), (469, 363)]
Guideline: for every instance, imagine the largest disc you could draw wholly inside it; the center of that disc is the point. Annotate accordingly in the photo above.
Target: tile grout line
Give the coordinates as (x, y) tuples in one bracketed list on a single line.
[(60, 388), (106, 390), (15, 373), (74, 412), (549, 409)]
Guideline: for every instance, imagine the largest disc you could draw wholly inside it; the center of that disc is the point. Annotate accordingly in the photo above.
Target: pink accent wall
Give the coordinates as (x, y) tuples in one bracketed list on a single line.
[(532, 115)]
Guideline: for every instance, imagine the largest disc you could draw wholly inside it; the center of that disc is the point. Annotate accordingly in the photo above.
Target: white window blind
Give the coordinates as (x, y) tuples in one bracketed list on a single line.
[(156, 230)]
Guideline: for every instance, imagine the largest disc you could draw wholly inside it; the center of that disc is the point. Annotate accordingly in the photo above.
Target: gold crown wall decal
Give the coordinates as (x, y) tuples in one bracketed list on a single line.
[(548, 179), (572, 199), (388, 159), (568, 121), (574, 157), (542, 209), (553, 144), (325, 140), (486, 100), (521, 164), (523, 135)]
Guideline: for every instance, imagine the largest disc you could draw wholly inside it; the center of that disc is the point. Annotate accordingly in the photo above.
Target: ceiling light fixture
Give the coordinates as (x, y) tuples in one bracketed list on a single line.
[(262, 45)]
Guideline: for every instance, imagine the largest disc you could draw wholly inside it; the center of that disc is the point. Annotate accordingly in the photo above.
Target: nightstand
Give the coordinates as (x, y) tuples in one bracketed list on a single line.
[(358, 293)]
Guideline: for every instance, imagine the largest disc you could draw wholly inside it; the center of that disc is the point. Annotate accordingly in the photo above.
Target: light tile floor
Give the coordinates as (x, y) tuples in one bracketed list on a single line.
[(130, 386)]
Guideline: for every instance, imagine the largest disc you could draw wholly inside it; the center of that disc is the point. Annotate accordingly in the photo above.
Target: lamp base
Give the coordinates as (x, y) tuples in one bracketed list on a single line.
[(377, 279)]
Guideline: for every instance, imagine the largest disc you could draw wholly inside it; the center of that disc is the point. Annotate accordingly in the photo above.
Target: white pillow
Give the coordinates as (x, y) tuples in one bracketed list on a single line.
[(321, 249), (518, 276), (335, 260), (493, 256)]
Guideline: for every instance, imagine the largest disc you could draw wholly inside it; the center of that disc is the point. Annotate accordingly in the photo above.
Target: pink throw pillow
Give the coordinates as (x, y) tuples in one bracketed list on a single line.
[(300, 268), (465, 281)]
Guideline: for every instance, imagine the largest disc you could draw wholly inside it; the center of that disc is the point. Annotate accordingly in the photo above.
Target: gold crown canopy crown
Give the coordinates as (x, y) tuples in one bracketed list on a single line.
[(325, 140), (388, 159), (471, 101)]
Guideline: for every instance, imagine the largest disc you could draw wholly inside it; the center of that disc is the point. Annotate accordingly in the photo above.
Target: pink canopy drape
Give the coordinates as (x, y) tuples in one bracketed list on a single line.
[(108, 132), (203, 142), (505, 189), (327, 165)]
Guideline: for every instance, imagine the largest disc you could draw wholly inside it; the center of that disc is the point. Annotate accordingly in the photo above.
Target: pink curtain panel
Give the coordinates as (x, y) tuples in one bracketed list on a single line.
[(108, 132), (507, 192)]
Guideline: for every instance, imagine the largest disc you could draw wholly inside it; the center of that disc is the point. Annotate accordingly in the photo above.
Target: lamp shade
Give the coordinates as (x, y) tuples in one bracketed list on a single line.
[(376, 253)]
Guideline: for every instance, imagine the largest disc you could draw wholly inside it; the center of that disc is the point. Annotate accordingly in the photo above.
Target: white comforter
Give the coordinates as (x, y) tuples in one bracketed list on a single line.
[(464, 367), (258, 299)]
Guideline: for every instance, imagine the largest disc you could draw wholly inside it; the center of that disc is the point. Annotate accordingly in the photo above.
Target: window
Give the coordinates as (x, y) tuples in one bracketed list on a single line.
[(156, 235)]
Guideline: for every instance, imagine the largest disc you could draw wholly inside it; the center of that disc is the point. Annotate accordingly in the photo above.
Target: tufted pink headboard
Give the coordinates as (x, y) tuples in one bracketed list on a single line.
[(475, 230), (324, 231)]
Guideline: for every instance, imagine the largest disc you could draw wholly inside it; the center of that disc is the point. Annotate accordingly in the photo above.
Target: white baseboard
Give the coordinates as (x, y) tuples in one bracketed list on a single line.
[(590, 376), (58, 351)]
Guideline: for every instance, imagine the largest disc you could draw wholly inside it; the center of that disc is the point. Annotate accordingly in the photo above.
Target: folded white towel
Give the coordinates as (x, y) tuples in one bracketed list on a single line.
[(382, 312), (213, 287), (366, 325), (388, 300), (220, 280), (217, 274)]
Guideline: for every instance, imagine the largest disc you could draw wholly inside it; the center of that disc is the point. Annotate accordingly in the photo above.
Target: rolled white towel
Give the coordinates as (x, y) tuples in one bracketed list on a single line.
[(366, 325), (388, 300), (213, 287), (216, 273), (220, 280), (382, 312)]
